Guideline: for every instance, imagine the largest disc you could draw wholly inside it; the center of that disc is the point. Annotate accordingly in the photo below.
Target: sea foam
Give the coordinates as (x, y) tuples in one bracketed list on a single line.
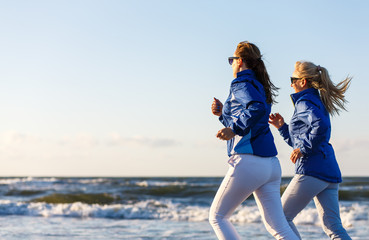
[(351, 213)]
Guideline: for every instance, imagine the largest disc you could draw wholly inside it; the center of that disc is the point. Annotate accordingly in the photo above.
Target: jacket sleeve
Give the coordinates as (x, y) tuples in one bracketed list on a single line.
[(223, 120), (285, 134), (247, 108), (317, 127)]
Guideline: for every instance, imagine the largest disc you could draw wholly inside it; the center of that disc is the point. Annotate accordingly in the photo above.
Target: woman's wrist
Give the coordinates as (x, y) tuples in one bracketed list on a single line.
[(281, 126)]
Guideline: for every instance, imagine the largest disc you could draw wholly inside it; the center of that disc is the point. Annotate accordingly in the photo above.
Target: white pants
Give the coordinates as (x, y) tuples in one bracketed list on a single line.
[(250, 174), (301, 190)]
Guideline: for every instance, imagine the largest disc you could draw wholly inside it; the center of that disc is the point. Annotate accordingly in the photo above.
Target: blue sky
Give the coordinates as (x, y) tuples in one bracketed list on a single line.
[(124, 88)]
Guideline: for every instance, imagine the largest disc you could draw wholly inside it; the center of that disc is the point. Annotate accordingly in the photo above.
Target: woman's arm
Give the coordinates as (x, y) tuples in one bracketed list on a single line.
[(318, 126), (247, 108), (245, 118), (285, 133), (277, 121)]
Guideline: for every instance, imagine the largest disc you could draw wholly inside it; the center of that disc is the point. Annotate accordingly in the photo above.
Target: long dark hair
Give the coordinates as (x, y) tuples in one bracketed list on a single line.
[(251, 55)]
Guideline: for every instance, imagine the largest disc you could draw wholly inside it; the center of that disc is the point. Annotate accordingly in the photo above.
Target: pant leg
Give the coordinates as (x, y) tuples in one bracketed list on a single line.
[(268, 200), (327, 205), (222, 208), (300, 191), (240, 181)]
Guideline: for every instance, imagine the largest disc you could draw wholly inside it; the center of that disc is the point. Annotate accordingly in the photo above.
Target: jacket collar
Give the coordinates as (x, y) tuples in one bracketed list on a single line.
[(245, 75), (247, 72), (297, 96)]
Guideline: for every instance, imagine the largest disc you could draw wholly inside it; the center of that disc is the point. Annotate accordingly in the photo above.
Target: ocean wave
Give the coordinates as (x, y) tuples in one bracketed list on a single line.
[(90, 180), (355, 181), (173, 191), (351, 195), (151, 183), (10, 181), (19, 192), (187, 190), (141, 188), (97, 198), (149, 209), (351, 213)]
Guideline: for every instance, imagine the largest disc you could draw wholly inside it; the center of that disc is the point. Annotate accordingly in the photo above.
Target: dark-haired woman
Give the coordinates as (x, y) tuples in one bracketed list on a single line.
[(317, 172), (253, 165)]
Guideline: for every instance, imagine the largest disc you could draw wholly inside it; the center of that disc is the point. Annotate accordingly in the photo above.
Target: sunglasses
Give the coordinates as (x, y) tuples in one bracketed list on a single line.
[(294, 79), (230, 59)]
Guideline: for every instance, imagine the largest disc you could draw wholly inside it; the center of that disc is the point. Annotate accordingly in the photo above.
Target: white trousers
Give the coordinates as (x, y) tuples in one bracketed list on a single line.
[(301, 190), (250, 174)]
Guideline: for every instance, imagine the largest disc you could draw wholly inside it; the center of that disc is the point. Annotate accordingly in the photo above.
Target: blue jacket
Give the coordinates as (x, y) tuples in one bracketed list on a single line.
[(310, 130), (246, 113)]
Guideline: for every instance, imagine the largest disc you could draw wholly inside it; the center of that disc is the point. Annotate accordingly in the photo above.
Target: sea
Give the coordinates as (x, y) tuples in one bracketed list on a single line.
[(149, 208)]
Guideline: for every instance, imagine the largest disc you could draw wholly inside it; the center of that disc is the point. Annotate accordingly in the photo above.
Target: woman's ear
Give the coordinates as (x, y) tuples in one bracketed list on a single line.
[(303, 82), (239, 62)]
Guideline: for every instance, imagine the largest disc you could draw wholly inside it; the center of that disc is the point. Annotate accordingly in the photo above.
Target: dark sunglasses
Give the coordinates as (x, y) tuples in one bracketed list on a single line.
[(230, 59), (294, 79)]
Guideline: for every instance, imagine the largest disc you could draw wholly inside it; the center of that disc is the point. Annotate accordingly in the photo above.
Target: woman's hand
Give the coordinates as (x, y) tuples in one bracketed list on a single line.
[(296, 154), (217, 107), (276, 120), (225, 134)]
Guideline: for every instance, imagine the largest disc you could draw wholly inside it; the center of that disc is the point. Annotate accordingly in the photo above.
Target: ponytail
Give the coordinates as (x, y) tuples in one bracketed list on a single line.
[(332, 96), (251, 55)]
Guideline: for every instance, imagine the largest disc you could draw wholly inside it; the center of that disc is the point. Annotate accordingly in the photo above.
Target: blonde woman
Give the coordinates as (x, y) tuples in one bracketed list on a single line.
[(317, 172), (253, 165)]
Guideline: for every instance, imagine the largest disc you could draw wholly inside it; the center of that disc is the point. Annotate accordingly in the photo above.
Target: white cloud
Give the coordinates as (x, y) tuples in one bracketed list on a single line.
[(14, 138)]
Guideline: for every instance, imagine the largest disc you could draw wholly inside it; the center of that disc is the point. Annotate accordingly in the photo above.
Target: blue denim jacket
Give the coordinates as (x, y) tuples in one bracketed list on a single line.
[(247, 113), (310, 130)]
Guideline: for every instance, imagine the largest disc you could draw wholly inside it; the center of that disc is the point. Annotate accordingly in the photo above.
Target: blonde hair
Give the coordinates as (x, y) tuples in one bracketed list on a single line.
[(251, 55), (317, 77)]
